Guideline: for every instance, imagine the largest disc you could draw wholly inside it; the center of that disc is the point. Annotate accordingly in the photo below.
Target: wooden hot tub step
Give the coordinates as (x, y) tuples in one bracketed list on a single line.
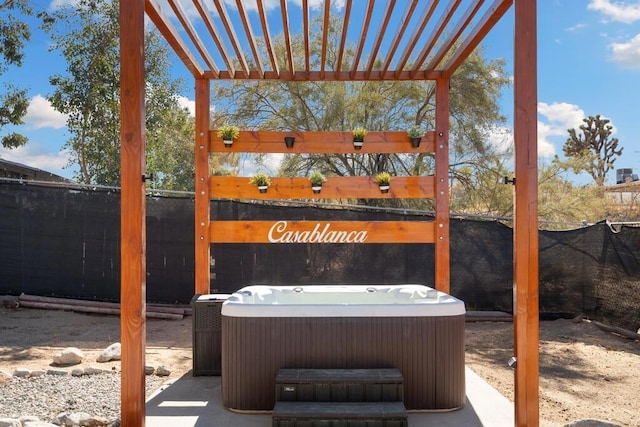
[(339, 414), (339, 385)]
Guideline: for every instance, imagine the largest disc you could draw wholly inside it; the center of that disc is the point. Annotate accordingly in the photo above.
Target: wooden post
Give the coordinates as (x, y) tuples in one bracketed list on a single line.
[(442, 250), (526, 323), (202, 196), (132, 213)]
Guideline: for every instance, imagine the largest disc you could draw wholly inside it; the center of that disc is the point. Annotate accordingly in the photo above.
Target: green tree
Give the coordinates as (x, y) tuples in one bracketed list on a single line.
[(592, 149), (87, 35), (376, 106), (14, 33), (560, 201)]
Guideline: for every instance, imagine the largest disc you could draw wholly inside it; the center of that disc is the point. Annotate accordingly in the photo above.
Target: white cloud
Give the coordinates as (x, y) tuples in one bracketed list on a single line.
[(187, 103), (33, 155), (56, 4), (501, 138), (558, 117), (617, 11), (627, 54), (40, 114)]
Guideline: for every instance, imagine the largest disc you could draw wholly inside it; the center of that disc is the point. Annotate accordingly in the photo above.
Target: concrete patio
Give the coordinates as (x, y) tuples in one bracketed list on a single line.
[(197, 402)]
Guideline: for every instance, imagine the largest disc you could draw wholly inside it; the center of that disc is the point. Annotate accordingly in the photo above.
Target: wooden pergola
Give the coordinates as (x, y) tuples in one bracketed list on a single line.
[(395, 40)]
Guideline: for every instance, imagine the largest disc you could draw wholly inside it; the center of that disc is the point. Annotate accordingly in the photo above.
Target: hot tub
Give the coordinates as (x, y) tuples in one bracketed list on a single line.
[(410, 327)]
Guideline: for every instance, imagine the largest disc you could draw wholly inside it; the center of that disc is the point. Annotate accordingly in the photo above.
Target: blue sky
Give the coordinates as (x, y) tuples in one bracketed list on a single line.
[(588, 64)]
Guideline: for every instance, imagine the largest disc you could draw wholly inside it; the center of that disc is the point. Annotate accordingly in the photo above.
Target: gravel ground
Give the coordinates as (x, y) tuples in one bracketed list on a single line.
[(50, 395)]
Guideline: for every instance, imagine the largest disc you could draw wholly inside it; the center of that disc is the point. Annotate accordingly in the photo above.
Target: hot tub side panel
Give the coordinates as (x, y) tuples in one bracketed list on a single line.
[(429, 351)]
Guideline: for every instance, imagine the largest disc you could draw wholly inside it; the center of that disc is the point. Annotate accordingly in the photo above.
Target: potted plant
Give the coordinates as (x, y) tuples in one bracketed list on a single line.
[(289, 140), (358, 137), (261, 180), (415, 133), (228, 133), (317, 179), (383, 179)]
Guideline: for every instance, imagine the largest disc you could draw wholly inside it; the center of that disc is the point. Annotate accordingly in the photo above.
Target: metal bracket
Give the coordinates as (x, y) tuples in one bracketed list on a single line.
[(508, 180)]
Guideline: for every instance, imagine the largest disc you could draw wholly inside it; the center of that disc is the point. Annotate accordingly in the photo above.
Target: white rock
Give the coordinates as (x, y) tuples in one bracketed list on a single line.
[(149, 370), (92, 370), (21, 373), (59, 372), (113, 352), (72, 419), (37, 423), (38, 373), (68, 356), (591, 423), (163, 371), (77, 372), (10, 422)]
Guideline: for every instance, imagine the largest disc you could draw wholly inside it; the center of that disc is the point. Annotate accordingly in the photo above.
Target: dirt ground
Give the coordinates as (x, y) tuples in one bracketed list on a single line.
[(584, 371)]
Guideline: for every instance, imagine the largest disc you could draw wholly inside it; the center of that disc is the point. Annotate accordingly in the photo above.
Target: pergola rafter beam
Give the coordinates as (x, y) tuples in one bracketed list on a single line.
[(244, 17), (455, 34), (205, 14), (287, 36), (226, 22), (417, 32), (381, 32), (362, 38), (433, 37), (408, 13), (490, 18), (267, 36), (343, 38), (305, 23), (181, 14), (325, 35), (154, 12)]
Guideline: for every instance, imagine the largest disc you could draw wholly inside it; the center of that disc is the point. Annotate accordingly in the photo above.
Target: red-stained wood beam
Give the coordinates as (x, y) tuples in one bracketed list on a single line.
[(267, 36), (343, 187), (205, 14), (442, 250), (132, 214), (202, 190), (381, 32), (362, 38), (343, 39), (169, 32), (322, 142), (312, 76), (415, 36), (323, 232), (526, 298), (325, 36), (233, 38), (453, 35), (181, 14), (287, 36), (305, 22), (435, 35), (244, 17), (477, 34), (406, 17)]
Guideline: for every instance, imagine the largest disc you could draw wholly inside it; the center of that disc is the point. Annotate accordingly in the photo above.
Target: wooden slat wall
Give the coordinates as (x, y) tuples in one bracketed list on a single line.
[(347, 187)]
